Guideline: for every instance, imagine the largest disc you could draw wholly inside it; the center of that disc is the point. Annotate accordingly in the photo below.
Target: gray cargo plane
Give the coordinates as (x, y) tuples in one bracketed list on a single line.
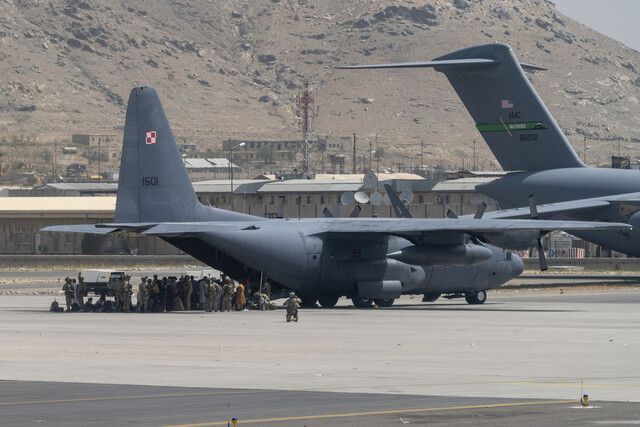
[(367, 259), (528, 143)]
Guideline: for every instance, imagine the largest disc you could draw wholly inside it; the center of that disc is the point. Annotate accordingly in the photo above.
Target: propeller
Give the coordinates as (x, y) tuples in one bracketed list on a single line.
[(355, 212), (451, 215), (480, 211), (399, 208), (327, 213), (534, 215)]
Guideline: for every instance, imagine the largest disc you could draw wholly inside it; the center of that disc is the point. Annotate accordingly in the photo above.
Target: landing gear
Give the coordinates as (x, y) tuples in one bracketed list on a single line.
[(430, 297), (362, 302), (384, 302), (308, 301), (328, 301), (476, 298)]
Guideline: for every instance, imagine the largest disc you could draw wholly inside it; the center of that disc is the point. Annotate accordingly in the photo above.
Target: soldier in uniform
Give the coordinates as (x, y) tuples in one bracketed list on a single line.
[(187, 288), (227, 295), (126, 294), (292, 307), (266, 287), (117, 293), (68, 292), (81, 291), (210, 295), (143, 292)]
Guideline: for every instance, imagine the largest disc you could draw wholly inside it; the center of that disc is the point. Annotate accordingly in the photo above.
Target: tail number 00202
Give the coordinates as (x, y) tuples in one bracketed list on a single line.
[(150, 180)]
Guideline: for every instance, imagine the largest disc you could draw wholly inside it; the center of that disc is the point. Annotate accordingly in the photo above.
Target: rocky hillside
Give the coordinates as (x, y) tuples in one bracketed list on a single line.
[(232, 69)]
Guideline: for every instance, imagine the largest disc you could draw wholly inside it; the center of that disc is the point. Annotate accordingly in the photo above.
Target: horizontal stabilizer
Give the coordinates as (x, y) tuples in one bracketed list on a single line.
[(438, 65), (442, 65), (80, 228), (182, 228)]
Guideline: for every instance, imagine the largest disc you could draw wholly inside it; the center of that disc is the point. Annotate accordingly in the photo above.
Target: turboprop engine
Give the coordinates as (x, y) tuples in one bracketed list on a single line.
[(452, 255)]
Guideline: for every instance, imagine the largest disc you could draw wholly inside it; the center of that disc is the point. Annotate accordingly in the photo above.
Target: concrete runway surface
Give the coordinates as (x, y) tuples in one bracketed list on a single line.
[(521, 358)]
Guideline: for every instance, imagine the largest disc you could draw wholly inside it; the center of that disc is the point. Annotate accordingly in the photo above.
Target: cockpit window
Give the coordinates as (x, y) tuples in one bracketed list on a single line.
[(508, 255)]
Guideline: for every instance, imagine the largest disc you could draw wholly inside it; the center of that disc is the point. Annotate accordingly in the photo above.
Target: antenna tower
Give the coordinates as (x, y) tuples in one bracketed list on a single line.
[(306, 115)]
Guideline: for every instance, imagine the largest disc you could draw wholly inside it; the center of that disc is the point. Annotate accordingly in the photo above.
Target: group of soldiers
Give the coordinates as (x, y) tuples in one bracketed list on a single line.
[(175, 294)]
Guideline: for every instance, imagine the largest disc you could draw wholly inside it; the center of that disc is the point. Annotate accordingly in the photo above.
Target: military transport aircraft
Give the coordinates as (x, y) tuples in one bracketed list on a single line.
[(527, 141), (367, 259)]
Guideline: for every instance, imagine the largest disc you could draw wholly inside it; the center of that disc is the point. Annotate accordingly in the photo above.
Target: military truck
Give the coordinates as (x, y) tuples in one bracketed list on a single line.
[(101, 281)]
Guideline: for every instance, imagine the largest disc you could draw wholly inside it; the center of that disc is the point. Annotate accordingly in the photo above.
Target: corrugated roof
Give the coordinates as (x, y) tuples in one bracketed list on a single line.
[(381, 176), (311, 186), (224, 185), (462, 184), (106, 204), (81, 186)]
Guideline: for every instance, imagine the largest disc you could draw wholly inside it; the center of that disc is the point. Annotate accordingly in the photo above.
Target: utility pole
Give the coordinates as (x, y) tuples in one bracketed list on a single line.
[(242, 144), (421, 154), (370, 153), (474, 154), (13, 163), (355, 166), (99, 155), (377, 156), (55, 149)]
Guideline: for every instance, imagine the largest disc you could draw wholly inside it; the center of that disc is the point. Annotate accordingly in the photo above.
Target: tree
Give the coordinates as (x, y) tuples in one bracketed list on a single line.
[(266, 152)]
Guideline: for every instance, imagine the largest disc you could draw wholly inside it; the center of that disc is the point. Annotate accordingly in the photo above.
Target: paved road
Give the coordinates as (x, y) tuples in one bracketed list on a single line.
[(77, 404), (523, 358)]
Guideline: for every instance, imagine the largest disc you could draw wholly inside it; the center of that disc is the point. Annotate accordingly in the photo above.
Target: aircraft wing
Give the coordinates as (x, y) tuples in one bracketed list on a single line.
[(407, 227), (424, 230), (429, 230), (569, 207)]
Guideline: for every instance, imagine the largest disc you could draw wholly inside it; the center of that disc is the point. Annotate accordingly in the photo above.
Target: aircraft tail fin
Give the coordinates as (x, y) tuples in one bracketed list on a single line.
[(508, 112), (153, 184)]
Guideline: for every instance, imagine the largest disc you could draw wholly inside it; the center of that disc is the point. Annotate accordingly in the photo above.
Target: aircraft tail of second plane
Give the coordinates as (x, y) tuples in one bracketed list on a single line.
[(508, 112)]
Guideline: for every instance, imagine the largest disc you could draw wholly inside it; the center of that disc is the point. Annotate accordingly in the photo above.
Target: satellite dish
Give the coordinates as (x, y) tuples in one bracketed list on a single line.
[(406, 196), (362, 197), (347, 198), (386, 200), (375, 198), (370, 181)]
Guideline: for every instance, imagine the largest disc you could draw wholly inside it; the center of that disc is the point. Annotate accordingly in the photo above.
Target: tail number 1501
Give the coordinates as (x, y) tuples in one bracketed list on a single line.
[(150, 180)]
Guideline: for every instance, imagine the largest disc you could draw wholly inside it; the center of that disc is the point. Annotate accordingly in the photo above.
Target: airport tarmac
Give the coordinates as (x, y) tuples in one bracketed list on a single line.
[(530, 353)]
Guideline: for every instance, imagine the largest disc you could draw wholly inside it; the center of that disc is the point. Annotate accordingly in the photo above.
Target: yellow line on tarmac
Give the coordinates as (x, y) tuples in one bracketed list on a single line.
[(536, 294), (151, 396), (571, 384), (360, 414)]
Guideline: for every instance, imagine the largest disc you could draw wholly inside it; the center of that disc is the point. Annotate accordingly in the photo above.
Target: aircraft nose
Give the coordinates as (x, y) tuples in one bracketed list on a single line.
[(517, 265)]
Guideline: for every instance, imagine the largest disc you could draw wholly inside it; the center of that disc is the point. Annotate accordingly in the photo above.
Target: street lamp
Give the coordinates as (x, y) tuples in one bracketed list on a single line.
[(242, 144)]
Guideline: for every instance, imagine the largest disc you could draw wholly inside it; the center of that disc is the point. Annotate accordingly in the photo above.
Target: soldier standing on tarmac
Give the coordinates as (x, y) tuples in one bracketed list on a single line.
[(81, 291), (68, 292), (227, 295), (292, 307), (210, 295), (188, 290), (126, 295), (117, 293), (266, 287), (143, 291)]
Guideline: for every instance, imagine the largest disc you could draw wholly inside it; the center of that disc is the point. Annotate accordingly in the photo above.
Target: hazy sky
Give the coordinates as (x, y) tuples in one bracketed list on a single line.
[(617, 19)]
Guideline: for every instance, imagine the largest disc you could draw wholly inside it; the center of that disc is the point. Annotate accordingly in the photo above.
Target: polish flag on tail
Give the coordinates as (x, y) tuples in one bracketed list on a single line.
[(151, 137)]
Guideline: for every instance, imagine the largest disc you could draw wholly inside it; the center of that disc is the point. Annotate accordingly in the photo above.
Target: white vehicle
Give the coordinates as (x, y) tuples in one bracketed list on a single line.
[(101, 281)]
